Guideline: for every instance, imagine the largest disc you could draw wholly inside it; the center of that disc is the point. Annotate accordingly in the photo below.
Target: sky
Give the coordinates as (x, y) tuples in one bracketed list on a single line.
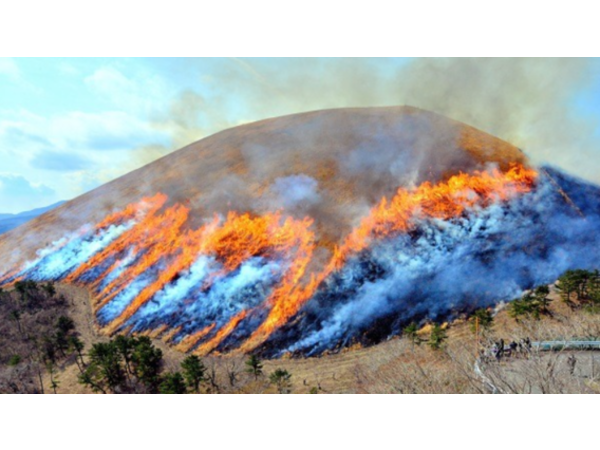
[(70, 125)]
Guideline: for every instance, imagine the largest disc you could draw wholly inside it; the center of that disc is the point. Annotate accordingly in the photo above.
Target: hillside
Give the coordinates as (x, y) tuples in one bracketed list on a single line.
[(311, 233), (350, 153)]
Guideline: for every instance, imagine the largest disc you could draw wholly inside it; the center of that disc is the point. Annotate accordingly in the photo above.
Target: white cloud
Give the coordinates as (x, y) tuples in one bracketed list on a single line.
[(84, 147), (87, 148), (18, 194), (87, 133), (145, 93)]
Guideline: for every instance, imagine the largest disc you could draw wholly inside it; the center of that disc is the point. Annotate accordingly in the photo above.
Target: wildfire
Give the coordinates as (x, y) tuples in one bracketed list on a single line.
[(440, 201), (443, 201), (160, 246)]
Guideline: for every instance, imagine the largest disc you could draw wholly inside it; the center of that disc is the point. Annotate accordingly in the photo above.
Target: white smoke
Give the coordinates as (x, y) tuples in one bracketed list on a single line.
[(493, 254), (120, 266), (68, 253), (296, 193), (188, 303), (117, 305)]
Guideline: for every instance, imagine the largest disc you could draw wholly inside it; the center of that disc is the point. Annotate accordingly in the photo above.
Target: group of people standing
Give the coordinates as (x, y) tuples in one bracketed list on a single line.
[(500, 349)]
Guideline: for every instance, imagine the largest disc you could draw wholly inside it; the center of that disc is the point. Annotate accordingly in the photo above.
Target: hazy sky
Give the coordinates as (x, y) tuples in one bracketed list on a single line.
[(69, 125)]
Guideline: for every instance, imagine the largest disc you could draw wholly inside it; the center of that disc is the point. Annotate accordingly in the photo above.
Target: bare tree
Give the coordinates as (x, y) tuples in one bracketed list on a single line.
[(233, 368)]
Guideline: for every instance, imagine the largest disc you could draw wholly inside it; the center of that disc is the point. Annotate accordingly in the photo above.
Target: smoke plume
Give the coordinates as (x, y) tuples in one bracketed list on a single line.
[(530, 102)]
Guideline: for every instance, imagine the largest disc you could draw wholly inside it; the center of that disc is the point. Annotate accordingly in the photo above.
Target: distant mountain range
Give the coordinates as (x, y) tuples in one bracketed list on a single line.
[(10, 221)]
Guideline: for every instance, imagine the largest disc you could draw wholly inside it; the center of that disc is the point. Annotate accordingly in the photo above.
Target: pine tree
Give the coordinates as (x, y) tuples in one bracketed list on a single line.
[(15, 315), (172, 383), (282, 379), (542, 299), (125, 346), (254, 366), (193, 371), (49, 289), (567, 286), (147, 362), (410, 331), (437, 337), (104, 371), (77, 346), (482, 319), (531, 304)]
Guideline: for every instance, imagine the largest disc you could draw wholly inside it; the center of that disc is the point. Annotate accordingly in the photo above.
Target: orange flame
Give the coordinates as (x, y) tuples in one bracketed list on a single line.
[(442, 201), (240, 237), (161, 239), (144, 211), (146, 206)]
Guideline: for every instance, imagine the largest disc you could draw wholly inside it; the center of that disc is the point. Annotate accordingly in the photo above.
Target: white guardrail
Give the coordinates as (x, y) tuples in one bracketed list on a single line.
[(565, 345)]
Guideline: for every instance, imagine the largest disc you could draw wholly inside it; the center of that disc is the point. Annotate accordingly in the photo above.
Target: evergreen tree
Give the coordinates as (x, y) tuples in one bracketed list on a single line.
[(437, 337), (64, 326), (578, 285), (567, 286), (50, 366), (125, 346), (49, 289), (147, 362), (411, 333), (282, 379), (15, 315), (77, 346), (531, 304), (172, 383), (193, 371), (21, 288), (254, 366), (482, 319), (542, 299), (104, 371)]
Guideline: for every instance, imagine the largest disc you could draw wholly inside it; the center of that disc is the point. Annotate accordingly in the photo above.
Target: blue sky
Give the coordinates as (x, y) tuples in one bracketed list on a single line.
[(69, 125)]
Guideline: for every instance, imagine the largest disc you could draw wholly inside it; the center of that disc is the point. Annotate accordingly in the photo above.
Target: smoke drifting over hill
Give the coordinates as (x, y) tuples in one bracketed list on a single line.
[(528, 102)]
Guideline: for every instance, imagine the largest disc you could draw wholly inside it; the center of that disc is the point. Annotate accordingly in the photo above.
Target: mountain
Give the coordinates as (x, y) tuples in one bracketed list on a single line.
[(10, 221), (352, 154), (313, 232)]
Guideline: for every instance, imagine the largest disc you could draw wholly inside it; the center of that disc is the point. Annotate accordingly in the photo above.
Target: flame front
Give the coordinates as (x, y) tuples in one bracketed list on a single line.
[(240, 277), (442, 201), (439, 201)]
